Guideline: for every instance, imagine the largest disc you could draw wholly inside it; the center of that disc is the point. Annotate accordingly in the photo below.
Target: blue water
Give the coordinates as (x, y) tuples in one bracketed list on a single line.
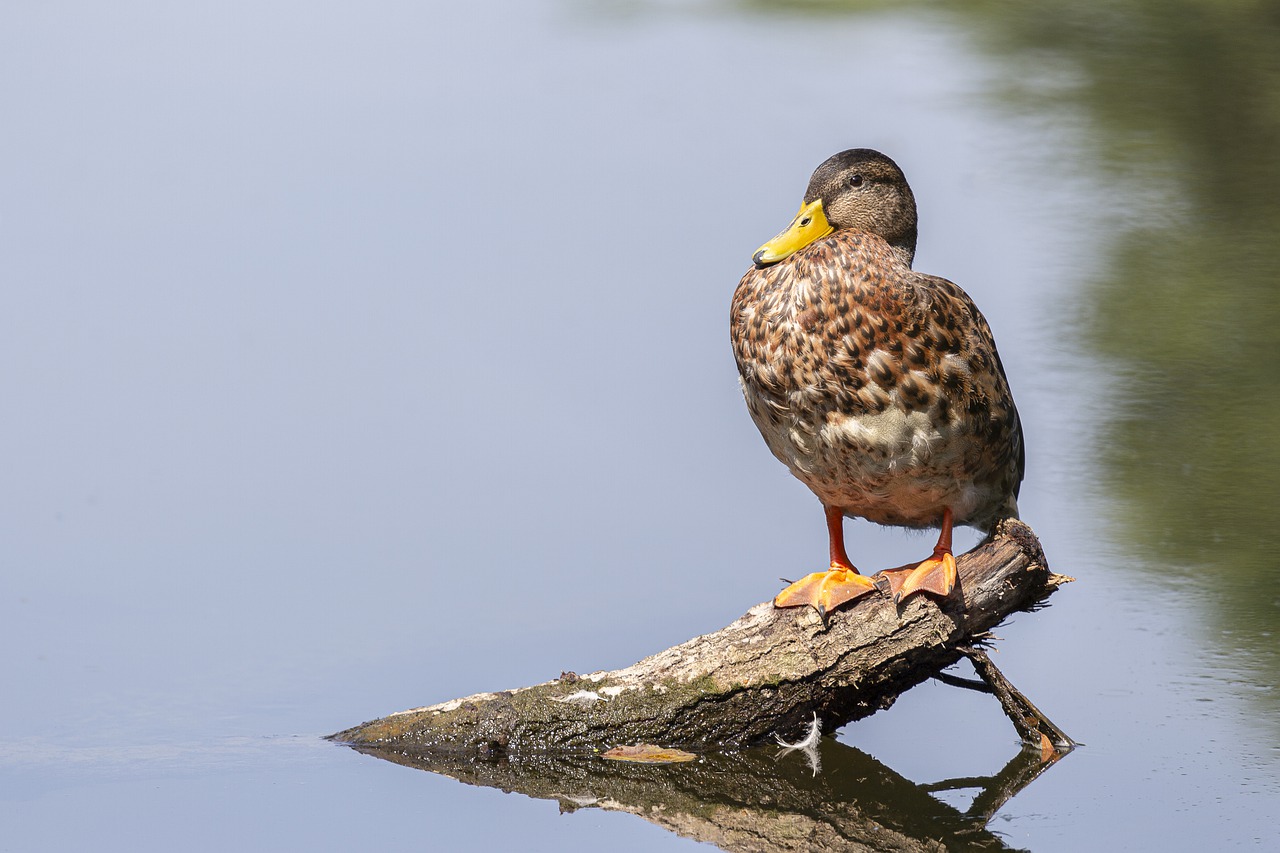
[(357, 358)]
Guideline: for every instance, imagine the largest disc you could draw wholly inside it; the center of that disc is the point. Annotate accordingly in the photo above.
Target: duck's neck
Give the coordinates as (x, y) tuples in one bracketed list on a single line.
[(905, 249), (902, 238)]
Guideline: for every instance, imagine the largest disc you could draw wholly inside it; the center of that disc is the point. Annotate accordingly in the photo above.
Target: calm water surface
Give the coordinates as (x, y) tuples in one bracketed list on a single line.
[(363, 357)]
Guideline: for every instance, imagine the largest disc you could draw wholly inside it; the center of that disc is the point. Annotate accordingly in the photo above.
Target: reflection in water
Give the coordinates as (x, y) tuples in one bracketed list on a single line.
[(1191, 308), (761, 799)]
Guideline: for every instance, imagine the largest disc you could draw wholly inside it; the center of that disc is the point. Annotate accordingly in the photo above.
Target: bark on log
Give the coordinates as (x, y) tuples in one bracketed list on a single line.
[(767, 673)]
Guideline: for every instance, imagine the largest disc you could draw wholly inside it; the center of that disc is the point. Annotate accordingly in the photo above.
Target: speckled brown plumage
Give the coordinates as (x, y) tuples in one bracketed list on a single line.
[(879, 387)]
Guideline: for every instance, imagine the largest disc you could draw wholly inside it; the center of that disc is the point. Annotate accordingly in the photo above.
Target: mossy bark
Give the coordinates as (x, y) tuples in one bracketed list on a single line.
[(767, 673)]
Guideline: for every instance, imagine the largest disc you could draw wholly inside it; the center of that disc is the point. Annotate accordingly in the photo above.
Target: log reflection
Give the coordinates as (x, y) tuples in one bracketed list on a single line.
[(838, 798)]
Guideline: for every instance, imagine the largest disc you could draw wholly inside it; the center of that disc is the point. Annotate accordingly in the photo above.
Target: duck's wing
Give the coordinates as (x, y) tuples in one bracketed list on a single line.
[(954, 314)]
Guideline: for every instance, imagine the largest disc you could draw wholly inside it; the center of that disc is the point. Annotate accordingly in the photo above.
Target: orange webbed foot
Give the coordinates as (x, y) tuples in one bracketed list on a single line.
[(826, 590), (936, 575)]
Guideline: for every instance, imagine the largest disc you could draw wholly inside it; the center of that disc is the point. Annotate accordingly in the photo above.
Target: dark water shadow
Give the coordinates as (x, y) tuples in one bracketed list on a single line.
[(833, 797)]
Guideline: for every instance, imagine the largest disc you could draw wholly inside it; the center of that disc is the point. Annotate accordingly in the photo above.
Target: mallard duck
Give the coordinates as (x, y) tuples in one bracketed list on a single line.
[(878, 386)]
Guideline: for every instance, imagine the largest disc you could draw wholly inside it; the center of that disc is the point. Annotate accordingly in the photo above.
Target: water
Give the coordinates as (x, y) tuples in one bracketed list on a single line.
[(360, 358)]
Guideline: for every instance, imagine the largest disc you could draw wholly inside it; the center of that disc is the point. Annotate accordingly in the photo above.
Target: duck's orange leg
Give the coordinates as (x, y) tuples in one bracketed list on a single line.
[(828, 590), (936, 574)]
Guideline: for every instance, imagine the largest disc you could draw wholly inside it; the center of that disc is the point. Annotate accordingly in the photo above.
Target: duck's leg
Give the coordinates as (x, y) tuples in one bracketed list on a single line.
[(828, 590), (936, 574)]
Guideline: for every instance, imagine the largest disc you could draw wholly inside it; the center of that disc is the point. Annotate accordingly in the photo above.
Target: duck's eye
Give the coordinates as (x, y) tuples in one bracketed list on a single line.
[(855, 181)]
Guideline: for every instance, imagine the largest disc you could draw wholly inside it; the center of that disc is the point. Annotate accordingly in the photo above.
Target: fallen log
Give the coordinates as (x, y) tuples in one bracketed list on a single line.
[(766, 674)]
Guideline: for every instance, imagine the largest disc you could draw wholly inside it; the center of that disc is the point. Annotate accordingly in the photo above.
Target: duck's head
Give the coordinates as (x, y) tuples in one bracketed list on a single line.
[(856, 190)]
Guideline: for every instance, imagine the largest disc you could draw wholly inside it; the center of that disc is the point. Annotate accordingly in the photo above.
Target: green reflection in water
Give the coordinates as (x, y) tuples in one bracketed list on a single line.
[(1190, 307)]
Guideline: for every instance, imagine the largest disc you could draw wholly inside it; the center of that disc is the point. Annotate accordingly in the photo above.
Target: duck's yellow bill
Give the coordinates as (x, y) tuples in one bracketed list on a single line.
[(810, 224)]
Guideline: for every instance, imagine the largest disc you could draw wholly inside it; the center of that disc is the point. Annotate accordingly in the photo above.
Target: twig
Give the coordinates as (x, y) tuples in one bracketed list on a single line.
[(1033, 726)]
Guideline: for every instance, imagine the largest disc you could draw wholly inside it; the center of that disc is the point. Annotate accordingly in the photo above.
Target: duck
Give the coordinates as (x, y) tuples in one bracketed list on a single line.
[(879, 387)]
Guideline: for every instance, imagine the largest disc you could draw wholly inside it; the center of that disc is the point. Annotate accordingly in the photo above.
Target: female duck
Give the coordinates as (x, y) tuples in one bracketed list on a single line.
[(878, 386)]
